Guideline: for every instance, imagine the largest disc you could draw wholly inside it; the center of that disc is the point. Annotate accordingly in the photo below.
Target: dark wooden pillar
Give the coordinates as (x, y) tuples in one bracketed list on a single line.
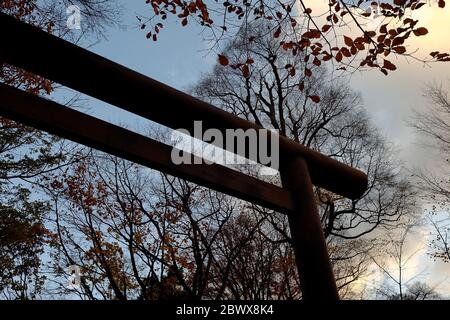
[(313, 263)]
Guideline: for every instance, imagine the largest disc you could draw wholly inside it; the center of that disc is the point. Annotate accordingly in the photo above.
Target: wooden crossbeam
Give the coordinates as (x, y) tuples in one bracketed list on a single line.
[(76, 126)]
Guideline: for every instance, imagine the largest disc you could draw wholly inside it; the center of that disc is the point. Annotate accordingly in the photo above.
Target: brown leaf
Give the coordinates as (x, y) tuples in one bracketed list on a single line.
[(346, 52), (420, 31), (277, 33), (348, 41), (245, 71), (398, 41), (326, 27), (389, 65), (434, 53), (308, 72), (301, 86), (399, 50), (316, 62), (315, 99), (326, 57), (223, 60)]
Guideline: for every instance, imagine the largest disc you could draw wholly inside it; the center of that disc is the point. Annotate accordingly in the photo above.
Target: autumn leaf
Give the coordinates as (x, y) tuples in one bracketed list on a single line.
[(326, 57), (434, 53), (315, 99), (346, 52), (301, 86), (245, 71), (420, 31), (308, 72), (277, 33), (398, 41), (383, 28), (399, 50), (223, 60), (389, 65), (316, 62), (326, 27), (348, 41)]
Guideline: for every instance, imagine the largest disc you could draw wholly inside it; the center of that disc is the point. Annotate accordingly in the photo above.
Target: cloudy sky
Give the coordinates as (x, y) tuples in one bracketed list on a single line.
[(180, 57)]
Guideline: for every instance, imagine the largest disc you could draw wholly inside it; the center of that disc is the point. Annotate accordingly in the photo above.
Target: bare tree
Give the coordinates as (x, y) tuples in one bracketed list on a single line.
[(334, 124), (401, 280), (27, 154), (433, 124)]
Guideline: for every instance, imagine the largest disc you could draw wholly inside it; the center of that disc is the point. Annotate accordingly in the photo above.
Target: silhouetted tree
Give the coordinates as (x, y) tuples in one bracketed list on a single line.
[(433, 123)]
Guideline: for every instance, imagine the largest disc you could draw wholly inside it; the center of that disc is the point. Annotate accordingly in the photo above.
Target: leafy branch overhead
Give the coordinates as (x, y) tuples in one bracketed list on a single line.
[(374, 31)]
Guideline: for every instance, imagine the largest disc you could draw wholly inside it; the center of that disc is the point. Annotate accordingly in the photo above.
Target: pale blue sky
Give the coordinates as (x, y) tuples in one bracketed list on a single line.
[(177, 59)]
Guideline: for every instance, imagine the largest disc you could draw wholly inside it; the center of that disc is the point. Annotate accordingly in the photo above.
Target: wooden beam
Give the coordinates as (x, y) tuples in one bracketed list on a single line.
[(70, 124), (311, 255)]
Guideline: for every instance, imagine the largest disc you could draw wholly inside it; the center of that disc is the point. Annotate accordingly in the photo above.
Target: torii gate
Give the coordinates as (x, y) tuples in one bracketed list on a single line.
[(36, 51)]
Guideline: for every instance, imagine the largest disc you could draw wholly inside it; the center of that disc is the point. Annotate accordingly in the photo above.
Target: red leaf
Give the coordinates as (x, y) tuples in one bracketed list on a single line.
[(301, 86), (245, 71), (389, 65), (308, 72), (399, 50), (316, 62), (315, 99), (223, 60), (277, 33), (346, 52), (420, 31), (348, 41), (326, 27), (326, 57)]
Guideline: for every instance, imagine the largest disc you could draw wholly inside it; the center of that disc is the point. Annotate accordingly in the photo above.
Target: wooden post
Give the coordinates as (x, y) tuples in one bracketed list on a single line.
[(313, 263)]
